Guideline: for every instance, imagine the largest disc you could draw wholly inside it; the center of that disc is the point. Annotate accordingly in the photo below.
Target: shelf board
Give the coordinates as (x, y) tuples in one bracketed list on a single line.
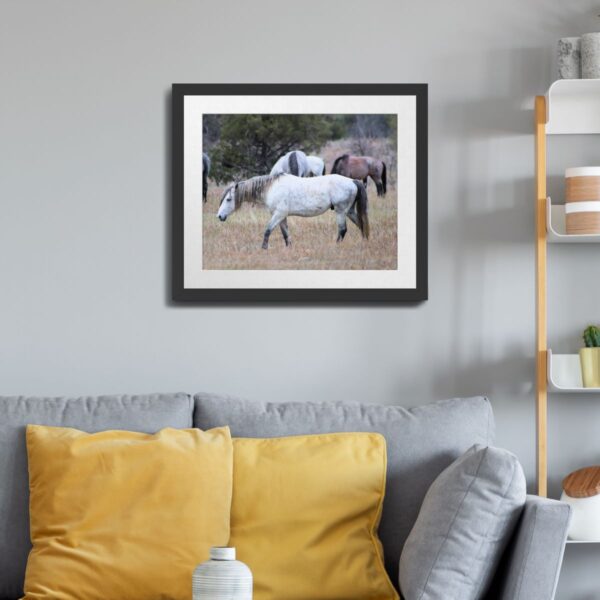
[(557, 229), (583, 542), (564, 374), (573, 106)]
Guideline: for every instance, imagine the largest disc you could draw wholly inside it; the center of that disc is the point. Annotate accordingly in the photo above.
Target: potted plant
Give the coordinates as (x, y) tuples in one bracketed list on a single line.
[(590, 357)]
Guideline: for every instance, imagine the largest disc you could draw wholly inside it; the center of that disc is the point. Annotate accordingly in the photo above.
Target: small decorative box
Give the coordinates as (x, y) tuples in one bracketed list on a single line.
[(582, 209)]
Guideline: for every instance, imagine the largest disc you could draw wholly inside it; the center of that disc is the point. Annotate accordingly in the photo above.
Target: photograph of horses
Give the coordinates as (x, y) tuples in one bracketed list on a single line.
[(261, 181), (282, 193)]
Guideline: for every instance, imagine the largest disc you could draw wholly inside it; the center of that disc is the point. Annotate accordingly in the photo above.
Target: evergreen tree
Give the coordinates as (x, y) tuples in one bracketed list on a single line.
[(250, 145)]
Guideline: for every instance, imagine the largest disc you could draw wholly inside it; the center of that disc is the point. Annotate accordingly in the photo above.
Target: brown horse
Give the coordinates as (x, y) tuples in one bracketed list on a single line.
[(361, 167)]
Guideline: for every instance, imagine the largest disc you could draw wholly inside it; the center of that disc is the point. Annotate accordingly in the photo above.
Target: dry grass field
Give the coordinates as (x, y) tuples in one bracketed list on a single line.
[(236, 243)]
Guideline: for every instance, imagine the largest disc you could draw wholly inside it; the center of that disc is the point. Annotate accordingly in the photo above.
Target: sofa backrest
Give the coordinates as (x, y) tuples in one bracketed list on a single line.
[(421, 443), (135, 413)]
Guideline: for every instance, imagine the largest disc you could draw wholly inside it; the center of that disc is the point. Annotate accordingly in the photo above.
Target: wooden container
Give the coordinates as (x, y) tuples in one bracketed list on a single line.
[(582, 492), (582, 209)]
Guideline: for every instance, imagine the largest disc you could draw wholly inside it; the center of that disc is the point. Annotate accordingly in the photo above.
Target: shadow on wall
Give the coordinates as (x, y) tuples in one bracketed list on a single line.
[(508, 108), (487, 223), (510, 376), (168, 220), (555, 187), (578, 579), (492, 220), (478, 239)]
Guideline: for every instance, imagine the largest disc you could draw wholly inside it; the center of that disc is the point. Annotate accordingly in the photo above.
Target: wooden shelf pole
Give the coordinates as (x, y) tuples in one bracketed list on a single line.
[(541, 298)]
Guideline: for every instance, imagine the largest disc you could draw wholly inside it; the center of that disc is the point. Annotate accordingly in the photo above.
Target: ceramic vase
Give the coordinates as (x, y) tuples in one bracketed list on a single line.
[(590, 367), (585, 520), (569, 58), (590, 55), (222, 577)]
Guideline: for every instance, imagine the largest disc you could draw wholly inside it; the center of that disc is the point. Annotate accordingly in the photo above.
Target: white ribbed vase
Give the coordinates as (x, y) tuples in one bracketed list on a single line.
[(222, 577)]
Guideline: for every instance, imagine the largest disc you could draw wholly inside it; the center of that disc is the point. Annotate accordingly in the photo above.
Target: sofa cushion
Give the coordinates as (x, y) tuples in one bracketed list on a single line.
[(465, 523), (305, 513), (148, 414), (124, 515), (421, 443)]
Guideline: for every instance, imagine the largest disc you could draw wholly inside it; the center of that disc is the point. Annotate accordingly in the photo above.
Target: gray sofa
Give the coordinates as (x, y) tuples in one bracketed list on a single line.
[(421, 443)]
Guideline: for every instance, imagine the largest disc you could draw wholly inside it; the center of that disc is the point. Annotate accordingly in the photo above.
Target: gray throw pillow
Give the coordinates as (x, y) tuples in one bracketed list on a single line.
[(466, 520)]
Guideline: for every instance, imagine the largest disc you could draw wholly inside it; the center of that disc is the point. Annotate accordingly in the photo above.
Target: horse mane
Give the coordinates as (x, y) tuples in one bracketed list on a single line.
[(338, 160), (253, 189)]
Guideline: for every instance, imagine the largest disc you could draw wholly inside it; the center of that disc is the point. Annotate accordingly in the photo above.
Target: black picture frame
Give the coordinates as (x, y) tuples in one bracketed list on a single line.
[(336, 296)]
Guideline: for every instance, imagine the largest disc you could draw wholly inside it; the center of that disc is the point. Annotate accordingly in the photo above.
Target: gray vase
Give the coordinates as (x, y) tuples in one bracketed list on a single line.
[(590, 55), (569, 58), (222, 577)]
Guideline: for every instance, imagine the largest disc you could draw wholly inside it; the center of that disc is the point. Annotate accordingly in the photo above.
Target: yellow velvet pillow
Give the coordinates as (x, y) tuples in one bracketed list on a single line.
[(305, 513), (124, 516)]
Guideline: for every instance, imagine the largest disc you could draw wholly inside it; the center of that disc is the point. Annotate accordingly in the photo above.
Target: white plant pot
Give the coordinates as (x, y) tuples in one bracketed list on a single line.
[(585, 521)]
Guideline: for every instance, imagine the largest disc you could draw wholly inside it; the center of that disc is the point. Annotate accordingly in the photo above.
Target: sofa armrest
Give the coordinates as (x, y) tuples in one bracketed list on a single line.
[(531, 564)]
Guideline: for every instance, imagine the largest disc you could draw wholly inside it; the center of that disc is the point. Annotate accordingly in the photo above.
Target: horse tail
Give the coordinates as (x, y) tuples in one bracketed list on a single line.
[(294, 163), (384, 178), (205, 172), (361, 202), (334, 169)]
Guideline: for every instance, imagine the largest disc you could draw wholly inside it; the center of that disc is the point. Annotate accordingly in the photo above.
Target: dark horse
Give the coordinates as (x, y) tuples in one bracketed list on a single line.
[(361, 167), (205, 174)]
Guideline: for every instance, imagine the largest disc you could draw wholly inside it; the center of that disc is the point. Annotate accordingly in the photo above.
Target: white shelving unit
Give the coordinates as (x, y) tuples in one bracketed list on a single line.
[(573, 107), (557, 230), (564, 374), (568, 107)]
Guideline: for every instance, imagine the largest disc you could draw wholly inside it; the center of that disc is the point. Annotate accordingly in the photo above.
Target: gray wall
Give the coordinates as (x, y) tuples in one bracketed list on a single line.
[(84, 200)]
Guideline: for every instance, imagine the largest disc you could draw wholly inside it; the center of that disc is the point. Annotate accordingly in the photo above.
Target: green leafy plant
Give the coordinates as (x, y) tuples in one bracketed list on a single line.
[(244, 145), (591, 337), (248, 145)]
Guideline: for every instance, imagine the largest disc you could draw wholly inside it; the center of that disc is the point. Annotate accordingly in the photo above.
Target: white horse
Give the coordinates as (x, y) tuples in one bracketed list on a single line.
[(316, 166), (294, 163), (286, 195)]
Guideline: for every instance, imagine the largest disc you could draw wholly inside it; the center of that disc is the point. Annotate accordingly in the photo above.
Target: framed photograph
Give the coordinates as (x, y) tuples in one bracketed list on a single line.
[(299, 193)]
